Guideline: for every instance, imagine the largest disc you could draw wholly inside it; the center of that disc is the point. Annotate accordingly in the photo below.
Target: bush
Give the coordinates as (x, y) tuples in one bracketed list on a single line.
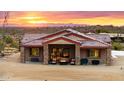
[(8, 39), (117, 46), (14, 44)]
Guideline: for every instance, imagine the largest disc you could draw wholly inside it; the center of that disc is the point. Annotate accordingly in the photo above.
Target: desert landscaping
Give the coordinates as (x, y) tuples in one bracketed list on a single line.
[(12, 69)]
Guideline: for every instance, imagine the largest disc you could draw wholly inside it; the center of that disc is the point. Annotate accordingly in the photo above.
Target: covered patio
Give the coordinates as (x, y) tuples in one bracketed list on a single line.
[(61, 53)]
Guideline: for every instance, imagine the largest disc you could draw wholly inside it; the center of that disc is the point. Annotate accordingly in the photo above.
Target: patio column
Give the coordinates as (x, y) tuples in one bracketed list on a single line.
[(77, 54), (22, 54), (108, 60), (45, 53)]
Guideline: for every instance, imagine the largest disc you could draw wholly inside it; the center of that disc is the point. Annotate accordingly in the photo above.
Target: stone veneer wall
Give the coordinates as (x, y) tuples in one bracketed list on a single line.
[(103, 55), (27, 54), (108, 56), (22, 54), (77, 54), (45, 53)]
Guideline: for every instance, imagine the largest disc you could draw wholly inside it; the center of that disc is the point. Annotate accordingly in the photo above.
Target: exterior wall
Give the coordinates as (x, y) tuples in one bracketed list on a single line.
[(25, 54), (108, 56), (103, 55), (22, 54), (45, 53), (83, 53), (77, 54)]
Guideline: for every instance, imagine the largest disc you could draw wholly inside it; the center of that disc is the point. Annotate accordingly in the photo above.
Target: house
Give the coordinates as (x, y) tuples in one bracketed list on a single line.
[(66, 45)]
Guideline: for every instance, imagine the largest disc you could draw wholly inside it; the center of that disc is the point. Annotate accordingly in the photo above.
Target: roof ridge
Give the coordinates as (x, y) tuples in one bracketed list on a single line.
[(69, 29)]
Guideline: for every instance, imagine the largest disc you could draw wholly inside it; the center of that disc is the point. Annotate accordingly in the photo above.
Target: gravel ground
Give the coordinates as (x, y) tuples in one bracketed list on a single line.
[(12, 69)]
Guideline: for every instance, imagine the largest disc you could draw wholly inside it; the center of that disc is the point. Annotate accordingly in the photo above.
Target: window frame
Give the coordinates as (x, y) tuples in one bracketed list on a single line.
[(91, 53), (31, 54)]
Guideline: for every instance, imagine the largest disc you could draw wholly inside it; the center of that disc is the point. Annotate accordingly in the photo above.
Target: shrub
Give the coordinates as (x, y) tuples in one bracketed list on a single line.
[(14, 44), (117, 46), (8, 39)]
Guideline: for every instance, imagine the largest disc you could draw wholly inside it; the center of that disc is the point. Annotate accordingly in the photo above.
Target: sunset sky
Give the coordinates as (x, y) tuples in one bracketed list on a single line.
[(89, 18)]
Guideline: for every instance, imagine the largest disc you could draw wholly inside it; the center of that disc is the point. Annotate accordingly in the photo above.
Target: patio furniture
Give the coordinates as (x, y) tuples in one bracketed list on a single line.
[(64, 61), (72, 61), (84, 61), (95, 62)]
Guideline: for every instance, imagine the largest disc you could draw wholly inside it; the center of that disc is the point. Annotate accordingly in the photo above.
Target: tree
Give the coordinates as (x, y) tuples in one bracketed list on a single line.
[(8, 39)]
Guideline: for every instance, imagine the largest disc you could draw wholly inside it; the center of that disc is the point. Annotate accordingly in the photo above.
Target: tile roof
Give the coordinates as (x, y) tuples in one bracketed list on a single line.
[(36, 42), (102, 37), (31, 37), (96, 44), (95, 40)]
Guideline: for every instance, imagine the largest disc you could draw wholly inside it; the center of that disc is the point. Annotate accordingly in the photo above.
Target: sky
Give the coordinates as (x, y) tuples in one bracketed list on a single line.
[(31, 18)]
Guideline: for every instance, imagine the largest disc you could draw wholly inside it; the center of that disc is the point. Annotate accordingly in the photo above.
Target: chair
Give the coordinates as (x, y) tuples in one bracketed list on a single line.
[(84, 61), (95, 62)]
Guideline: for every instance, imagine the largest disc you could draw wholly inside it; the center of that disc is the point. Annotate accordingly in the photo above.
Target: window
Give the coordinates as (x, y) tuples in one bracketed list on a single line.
[(93, 53), (34, 52)]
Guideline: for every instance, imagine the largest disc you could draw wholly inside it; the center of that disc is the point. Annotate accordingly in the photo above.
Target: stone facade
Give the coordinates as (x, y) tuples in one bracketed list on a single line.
[(77, 54), (22, 54), (105, 54), (45, 53), (108, 61)]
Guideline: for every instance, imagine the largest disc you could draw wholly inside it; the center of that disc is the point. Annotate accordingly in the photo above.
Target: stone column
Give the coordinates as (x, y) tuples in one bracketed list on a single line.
[(108, 59), (22, 54), (103, 55), (77, 54), (45, 53)]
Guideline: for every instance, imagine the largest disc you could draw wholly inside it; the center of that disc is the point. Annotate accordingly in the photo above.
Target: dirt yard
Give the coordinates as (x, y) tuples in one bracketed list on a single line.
[(12, 69)]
